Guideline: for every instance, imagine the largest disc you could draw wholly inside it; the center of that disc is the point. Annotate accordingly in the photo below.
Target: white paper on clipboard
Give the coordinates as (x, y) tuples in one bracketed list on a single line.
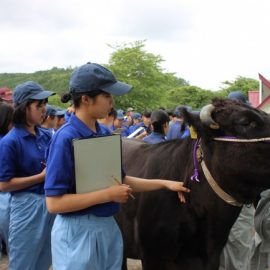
[(136, 132), (97, 159)]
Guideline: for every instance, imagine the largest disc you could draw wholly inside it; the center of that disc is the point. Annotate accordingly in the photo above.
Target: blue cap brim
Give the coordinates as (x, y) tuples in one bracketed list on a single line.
[(42, 95), (60, 113), (117, 88)]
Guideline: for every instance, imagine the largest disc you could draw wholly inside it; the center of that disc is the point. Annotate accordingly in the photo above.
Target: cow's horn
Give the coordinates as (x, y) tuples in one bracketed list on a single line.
[(206, 118)]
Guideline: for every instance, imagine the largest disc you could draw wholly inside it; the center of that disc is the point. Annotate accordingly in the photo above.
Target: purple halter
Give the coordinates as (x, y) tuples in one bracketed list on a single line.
[(195, 176)]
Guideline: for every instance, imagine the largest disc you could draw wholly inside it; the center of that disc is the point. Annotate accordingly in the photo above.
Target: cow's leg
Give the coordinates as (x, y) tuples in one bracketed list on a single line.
[(124, 264), (152, 264), (192, 263)]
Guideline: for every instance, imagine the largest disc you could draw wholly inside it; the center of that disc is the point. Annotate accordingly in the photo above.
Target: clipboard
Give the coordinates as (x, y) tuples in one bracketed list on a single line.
[(136, 132), (96, 160)]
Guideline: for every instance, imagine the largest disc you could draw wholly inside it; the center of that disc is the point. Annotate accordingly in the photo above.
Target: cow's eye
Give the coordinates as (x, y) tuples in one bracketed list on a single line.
[(253, 124), (243, 121), (247, 123)]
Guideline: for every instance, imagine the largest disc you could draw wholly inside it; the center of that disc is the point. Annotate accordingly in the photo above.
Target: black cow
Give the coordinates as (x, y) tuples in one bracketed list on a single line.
[(168, 235)]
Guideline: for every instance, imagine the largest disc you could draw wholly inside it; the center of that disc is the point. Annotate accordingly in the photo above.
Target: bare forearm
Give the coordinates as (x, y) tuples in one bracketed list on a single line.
[(141, 184), (75, 202), (18, 183)]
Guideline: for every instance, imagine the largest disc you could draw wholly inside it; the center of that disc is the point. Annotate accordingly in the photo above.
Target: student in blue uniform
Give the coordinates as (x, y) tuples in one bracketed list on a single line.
[(137, 122), (60, 118), (118, 124), (85, 234), (69, 112), (160, 124), (6, 117), (177, 130), (50, 119), (22, 174)]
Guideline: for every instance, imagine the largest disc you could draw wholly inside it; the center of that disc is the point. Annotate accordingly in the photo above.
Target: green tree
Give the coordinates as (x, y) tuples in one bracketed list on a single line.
[(240, 84), (192, 96), (132, 64)]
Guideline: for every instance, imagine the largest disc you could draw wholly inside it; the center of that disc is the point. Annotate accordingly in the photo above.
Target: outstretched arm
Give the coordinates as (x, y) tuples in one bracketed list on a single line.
[(142, 185)]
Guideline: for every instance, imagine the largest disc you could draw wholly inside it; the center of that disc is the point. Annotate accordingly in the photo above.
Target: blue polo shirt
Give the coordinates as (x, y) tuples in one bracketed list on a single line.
[(125, 131), (22, 154), (49, 130), (60, 172), (135, 127), (176, 133), (154, 137)]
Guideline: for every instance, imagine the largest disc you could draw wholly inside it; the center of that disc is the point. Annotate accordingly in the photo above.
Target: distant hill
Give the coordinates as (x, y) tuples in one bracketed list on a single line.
[(55, 79)]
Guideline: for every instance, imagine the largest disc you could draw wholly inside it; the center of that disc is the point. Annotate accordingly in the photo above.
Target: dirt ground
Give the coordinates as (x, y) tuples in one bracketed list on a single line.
[(132, 264)]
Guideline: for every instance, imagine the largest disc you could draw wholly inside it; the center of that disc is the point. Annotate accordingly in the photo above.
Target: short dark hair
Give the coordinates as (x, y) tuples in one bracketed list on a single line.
[(6, 112), (19, 117), (147, 113), (169, 112), (158, 119), (113, 113)]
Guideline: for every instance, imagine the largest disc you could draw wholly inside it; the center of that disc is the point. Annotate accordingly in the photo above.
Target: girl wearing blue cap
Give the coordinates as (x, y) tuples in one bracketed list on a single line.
[(6, 113), (85, 234), (22, 174)]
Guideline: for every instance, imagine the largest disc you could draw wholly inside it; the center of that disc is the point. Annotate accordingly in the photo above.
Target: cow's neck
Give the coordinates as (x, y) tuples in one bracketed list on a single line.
[(232, 166)]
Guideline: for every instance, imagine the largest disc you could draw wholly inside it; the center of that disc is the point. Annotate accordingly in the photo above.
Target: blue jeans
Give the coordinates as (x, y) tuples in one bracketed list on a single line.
[(86, 242)]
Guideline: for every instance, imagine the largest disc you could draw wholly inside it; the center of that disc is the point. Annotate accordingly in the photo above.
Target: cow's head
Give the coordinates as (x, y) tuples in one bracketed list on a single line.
[(225, 117), (242, 168)]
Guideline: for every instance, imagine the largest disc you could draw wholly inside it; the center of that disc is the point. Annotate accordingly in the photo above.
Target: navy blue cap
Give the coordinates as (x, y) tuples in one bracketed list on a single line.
[(30, 90), (50, 110), (92, 76), (238, 95), (136, 115), (60, 112)]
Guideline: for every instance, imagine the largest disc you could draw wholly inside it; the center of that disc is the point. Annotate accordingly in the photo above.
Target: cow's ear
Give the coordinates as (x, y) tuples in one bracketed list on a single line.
[(192, 119)]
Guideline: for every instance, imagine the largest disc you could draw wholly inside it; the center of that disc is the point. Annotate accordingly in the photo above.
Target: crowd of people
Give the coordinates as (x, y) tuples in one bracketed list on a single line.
[(150, 126), (43, 221)]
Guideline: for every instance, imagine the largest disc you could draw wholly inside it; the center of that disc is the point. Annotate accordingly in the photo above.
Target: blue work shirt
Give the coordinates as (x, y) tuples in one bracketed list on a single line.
[(135, 127), (124, 132), (50, 130), (176, 133), (60, 172), (67, 116), (154, 137), (22, 154)]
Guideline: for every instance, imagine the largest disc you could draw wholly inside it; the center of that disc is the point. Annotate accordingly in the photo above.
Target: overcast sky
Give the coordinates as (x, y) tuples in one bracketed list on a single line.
[(205, 42)]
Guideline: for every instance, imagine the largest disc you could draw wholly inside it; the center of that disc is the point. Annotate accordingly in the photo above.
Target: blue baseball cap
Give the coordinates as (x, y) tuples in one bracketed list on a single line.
[(120, 115), (136, 115), (238, 95), (50, 110), (60, 112), (90, 76), (29, 90)]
